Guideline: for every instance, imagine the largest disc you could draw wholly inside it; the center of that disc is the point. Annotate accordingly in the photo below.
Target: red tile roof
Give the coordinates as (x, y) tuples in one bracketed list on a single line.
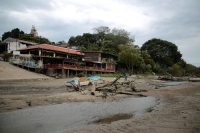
[(53, 48)]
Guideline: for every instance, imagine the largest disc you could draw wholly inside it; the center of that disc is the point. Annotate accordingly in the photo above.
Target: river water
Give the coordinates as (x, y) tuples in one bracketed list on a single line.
[(61, 117)]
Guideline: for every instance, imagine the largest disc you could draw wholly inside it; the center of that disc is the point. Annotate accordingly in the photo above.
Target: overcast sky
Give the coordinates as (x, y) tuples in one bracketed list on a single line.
[(177, 21)]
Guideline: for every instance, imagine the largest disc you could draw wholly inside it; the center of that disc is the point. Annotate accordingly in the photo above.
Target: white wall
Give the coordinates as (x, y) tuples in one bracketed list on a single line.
[(15, 45)]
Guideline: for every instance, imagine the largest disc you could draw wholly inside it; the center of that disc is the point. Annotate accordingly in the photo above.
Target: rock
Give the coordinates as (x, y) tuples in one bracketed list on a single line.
[(92, 93), (132, 86), (104, 95), (29, 103)]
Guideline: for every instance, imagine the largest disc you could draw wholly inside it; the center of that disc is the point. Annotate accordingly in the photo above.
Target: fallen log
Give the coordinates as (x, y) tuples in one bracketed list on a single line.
[(194, 79), (104, 85), (116, 79), (127, 93), (130, 93), (109, 83), (76, 87)]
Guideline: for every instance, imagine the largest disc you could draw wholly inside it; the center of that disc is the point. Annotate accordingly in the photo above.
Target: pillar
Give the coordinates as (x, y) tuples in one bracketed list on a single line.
[(39, 52), (68, 73), (63, 73)]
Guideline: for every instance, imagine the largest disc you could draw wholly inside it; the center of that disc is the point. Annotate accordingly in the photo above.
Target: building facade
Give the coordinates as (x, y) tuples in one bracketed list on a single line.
[(12, 44), (54, 60)]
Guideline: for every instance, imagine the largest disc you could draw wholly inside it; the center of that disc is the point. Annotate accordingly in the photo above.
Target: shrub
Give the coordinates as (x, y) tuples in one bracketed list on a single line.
[(7, 56), (81, 74), (176, 70)]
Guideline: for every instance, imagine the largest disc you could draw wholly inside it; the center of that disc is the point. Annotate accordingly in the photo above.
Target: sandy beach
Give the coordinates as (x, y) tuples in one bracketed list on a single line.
[(178, 111)]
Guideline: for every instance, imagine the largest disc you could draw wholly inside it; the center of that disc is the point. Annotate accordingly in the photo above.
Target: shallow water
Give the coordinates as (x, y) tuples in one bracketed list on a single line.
[(61, 117)]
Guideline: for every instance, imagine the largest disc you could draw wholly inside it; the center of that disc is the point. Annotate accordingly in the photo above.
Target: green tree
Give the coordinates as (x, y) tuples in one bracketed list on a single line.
[(76, 41), (163, 52), (101, 32), (15, 33), (6, 56), (129, 56), (36, 39), (122, 36), (191, 70), (61, 42), (103, 39)]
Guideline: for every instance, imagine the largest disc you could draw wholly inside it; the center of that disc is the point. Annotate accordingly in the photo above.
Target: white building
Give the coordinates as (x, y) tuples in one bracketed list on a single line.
[(12, 44)]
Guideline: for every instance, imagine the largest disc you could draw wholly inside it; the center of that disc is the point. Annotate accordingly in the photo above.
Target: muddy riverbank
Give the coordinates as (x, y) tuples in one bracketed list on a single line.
[(179, 112)]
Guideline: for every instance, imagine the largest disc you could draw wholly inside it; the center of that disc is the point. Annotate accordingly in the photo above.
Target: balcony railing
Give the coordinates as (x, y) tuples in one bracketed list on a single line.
[(59, 66)]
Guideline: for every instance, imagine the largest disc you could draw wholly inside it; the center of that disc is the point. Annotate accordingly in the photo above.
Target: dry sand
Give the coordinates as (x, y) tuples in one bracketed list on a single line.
[(179, 110)]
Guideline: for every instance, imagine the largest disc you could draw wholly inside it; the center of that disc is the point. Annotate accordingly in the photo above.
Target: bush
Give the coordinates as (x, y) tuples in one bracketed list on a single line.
[(7, 56), (81, 74), (176, 70)]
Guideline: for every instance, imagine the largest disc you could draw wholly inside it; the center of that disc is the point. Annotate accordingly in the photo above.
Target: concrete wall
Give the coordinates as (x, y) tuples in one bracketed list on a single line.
[(15, 45)]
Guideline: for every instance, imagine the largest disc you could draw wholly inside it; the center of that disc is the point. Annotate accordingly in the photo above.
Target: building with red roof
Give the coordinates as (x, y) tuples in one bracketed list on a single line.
[(51, 59)]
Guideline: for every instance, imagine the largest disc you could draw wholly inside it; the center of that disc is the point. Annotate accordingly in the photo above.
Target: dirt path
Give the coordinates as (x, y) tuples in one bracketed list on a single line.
[(11, 72)]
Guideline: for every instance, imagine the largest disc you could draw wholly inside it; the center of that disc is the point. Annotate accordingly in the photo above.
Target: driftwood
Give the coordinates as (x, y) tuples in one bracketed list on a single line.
[(194, 79), (127, 93), (104, 85), (130, 93), (76, 87), (171, 78), (116, 79), (108, 84)]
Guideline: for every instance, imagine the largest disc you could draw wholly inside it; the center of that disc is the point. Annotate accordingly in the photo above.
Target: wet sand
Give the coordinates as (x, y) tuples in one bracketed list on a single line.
[(179, 110)]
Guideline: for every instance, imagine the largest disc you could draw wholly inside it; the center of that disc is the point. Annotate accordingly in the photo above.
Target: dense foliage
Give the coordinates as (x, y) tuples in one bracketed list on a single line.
[(163, 52), (129, 56), (6, 56), (103, 39), (36, 39), (15, 33), (19, 34)]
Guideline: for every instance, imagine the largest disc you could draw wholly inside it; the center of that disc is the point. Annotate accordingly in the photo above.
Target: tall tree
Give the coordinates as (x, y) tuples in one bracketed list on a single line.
[(161, 51), (61, 42), (101, 30), (103, 40), (130, 56), (15, 33)]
